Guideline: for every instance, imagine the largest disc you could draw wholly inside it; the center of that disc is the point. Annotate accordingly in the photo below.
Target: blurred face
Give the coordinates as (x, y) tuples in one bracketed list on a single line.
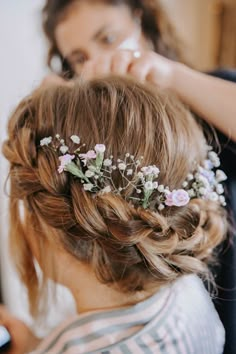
[(90, 30)]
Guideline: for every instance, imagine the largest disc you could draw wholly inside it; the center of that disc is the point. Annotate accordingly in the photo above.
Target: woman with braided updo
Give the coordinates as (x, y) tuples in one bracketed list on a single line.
[(117, 196)]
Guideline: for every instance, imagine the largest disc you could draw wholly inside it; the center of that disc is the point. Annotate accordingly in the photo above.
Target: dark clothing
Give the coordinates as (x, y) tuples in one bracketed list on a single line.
[(226, 279)]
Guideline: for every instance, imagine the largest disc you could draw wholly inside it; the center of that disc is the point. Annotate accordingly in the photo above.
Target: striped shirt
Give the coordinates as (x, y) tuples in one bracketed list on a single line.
[(178, 319)]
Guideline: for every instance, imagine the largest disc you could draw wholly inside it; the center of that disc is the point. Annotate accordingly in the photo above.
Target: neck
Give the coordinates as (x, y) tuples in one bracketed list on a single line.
[(91, 295)]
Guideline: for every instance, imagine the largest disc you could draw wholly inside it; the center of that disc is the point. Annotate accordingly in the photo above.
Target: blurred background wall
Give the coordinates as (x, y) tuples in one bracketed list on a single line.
[(207, 29), (22, 67)]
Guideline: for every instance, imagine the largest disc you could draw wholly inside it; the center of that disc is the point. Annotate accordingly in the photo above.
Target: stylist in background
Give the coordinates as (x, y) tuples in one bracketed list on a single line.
[(94, 38)]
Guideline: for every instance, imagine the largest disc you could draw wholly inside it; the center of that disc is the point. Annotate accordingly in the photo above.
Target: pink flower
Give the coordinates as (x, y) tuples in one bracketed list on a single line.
[(100, 148), (91, 154), (177, 198), (65, 159)]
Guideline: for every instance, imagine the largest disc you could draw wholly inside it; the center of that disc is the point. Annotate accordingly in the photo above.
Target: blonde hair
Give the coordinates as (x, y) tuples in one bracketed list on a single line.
[(126, 246)]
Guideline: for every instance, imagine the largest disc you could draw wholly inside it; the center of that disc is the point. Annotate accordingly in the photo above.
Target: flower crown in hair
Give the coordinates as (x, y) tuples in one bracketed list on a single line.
[(96, 173)]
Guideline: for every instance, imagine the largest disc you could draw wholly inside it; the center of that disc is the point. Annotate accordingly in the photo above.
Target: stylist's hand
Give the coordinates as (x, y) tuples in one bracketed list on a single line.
[(23, 340), (145, 66), (54, 80)]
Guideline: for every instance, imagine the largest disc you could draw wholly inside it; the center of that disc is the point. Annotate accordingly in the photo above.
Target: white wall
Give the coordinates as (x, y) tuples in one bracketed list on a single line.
[(22, 66), (22, 50)]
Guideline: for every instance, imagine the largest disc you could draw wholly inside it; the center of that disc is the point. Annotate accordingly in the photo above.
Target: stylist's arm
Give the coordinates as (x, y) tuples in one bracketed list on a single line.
[(211, 98)]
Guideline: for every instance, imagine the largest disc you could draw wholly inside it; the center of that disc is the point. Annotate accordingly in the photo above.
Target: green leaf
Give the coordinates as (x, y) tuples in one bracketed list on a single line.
[(99, 160), (76, 171)]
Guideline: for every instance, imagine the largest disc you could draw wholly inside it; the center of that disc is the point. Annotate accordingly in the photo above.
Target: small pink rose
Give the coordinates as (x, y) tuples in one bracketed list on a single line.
[(169, 199), (91, 154), (177, 198), (65, 159), (100, 148)]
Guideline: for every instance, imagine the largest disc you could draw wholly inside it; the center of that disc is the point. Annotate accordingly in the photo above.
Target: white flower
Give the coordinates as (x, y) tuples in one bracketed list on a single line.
[(122, 166), (161, 188), (148, 186), (209, 175), (222, 200), (189, 177), (150, 170), (209, 147), (155, 185), (216, 163), (46, 141), (214, 158), (161, 207), (63, 149), (213, 196), (88, 186), (107, 189), (202, 191), (89, 173), (212, 155), (185, 183), (75, 139), (219, 189), (155, 170), (57, 136), (129, 172), (107, 162), (139, 191), (100, 148), (220, 176), (207, 164), (62, 141), (127, 155), (203, 179), (140, 174), (114, 167), (191, 193)]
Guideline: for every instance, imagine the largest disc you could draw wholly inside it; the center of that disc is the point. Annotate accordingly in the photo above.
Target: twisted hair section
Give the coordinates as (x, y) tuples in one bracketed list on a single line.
[(127, 247)]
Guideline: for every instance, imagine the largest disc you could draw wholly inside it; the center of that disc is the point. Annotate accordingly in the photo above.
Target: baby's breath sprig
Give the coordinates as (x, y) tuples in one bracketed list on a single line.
[(96, 171)]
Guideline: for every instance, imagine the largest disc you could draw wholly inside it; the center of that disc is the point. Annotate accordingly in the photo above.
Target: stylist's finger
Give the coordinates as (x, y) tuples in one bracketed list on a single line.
[(53, 79), (102, 66), (139, 68), (121, 61), (88, 70)]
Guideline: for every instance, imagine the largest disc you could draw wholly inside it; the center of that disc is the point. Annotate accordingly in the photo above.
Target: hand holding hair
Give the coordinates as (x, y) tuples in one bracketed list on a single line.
[(211, 98)]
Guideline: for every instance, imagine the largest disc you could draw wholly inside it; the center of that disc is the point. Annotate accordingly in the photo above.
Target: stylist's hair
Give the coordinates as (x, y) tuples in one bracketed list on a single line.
[(127, 247), (155, 25)]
